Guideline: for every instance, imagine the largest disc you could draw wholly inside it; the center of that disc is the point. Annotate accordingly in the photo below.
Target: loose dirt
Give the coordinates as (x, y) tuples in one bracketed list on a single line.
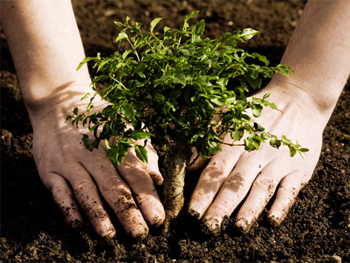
[(316, 229)]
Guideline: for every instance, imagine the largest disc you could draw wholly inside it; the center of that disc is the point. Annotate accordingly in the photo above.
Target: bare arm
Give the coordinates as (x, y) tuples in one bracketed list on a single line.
[(45, 46), (319, 52)]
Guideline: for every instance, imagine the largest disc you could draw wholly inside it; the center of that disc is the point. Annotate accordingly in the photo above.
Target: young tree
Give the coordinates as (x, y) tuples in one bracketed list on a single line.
[(179, 91)]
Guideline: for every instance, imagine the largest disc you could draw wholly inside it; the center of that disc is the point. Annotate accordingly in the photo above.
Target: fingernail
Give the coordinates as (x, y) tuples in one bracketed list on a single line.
[(211, 226), (158, 220), (108, 232), (106, 229), (194, 213), (110, 235), (243, 224), (139, 235), (76, 224), (274, 220)]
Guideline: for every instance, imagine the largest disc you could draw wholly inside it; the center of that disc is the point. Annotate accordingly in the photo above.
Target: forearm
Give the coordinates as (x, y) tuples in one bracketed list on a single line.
[(319, 52), (46, 48)]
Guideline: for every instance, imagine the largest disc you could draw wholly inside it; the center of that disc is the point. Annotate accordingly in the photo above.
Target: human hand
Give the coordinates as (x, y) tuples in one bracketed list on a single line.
[(79, 179), (233, 174)]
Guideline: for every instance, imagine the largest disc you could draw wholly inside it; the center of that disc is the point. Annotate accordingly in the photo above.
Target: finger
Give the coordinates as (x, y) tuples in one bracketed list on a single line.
[(141, 184), (153, 166), (63, 196), (197, 162), (119, 196), (212, 178), (286, 195), (261, 192), (87, 195), (233, 190)]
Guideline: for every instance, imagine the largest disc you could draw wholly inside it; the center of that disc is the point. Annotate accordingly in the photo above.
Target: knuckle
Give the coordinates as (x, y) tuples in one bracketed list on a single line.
[(110, 183), (83, 186), (125, 206), (152, 152), (59, 193), (266, 184), (157, 178), (223, 209), (235, 182), (133, 174)]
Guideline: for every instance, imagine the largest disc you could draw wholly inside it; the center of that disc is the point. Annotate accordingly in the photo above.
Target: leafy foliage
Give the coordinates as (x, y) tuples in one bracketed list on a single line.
[(181, 90)]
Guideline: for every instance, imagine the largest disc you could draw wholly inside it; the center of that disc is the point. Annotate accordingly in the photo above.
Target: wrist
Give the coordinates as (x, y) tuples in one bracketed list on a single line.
[(321, 96), (287, 93), (58, 103)]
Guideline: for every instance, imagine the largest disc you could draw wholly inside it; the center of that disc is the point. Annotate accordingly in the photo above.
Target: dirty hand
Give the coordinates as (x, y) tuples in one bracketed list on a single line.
[(320, 59), (79, 179), (233, 174)]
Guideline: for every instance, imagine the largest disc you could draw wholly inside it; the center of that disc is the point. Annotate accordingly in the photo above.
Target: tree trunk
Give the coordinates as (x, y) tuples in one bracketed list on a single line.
[(174, 182)]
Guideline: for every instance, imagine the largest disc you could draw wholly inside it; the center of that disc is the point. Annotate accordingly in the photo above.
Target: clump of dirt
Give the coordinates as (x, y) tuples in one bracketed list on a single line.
[(316, 229)]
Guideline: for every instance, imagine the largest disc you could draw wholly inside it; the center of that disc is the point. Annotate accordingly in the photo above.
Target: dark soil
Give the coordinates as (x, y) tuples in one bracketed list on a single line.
[(316, 229)]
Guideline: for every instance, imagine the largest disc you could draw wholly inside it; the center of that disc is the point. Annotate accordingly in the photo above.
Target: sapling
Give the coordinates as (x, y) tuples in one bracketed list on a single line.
[(179, 91)]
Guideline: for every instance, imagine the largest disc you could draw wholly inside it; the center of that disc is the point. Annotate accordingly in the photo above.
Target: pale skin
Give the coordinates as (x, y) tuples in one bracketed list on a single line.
[(46, 49), (319, 53)]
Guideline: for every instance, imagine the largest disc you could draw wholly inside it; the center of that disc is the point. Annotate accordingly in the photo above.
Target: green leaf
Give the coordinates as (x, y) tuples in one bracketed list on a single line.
[(218, 101), (179, 79), (121, 36), (87, 59), (292, 150), (266, 95), (154, 23), (253, 73), (140, 135), (213, 147), (174, 94), (190, 15), (117, 152), (237, 135), (159, 98), (128, 111), (126, 53), (254, 83), (141, 153), (120, 24), (256, 109), (199, 27), (166, 29), (208, 106), (284, 70), (85, 96), (265, 135), (107, 144), (249, 144), (90, 144), (285, 140), (303, 150), (248, 33), (261, 58), (258, 127), (140, 70), (274, 142)]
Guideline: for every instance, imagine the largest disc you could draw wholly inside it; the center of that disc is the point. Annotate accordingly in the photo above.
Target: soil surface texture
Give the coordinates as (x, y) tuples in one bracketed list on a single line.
[(315, 230)]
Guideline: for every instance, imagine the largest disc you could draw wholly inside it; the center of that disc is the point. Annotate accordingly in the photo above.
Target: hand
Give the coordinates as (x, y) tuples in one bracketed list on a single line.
[(79, 179), (234, 174)]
